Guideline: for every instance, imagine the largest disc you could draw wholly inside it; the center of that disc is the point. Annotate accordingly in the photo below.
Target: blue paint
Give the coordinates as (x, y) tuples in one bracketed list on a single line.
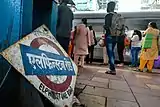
[(26, 16), (16, 17), (10, 22), (9, 29), (39, 14), (38, 62), (54, 18)]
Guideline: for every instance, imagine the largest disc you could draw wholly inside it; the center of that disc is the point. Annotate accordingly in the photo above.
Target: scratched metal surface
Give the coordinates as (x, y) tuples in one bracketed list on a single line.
[(10, 22), (16, 21), (9, 29)]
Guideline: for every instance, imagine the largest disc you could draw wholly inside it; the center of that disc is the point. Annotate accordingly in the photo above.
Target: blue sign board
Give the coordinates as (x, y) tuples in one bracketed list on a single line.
[(38, 62)]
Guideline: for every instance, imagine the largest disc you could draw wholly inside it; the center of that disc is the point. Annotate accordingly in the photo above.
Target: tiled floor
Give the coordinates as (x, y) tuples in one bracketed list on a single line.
[(94, 88)]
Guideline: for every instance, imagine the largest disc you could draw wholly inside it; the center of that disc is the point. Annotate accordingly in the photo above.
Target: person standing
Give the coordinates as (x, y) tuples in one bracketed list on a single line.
[(149, 53), (112, 27), (81, 42), (64, 24), (121, 47), (135, 47), (105, 56), (89, 57)]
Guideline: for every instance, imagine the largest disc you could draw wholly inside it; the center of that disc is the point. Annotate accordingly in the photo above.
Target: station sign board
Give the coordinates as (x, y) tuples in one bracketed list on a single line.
[(45, 64)]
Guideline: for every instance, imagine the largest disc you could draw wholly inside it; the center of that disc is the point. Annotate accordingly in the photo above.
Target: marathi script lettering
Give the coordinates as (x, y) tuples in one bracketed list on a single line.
[(43, 62)]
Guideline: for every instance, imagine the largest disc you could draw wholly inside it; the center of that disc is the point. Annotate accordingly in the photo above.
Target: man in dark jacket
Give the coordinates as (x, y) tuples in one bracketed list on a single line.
[(110, 39), (64, 24)]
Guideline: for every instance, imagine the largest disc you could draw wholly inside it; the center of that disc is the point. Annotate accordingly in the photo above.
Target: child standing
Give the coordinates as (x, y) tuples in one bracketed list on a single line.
[(135, 47)]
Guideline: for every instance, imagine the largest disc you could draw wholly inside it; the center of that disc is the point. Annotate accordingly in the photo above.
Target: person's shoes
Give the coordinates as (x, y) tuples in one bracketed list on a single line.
[(90, 62), (138, 70), (78, 74), (120, 65), (80, 66), (104, 64), (111, 72), (132, 65), (148, 71)]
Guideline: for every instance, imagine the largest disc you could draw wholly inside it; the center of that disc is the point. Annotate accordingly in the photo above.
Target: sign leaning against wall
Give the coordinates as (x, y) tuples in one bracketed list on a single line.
[(44, 63)]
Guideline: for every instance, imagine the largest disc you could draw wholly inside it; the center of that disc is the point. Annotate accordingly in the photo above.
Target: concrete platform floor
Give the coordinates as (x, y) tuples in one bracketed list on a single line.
[(128, 88)]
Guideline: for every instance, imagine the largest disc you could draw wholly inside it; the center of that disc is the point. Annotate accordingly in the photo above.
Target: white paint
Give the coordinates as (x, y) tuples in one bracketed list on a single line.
[(48, 48), (55, 79)]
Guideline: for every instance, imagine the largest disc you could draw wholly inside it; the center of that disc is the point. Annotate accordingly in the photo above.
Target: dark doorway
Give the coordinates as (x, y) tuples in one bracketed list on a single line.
[(42, 13), (42, 10)]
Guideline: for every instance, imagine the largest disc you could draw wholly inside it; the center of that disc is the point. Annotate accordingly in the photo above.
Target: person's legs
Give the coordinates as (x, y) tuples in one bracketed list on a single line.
[(88, 56), (110, 44), (70, 49), (72, 54), (76, 58), (120, 49), (64, 42), (142, 64), (113, 46), (91, 53), (82, 60), (136, 55), (105, 57), (133, 52), (150, 64)]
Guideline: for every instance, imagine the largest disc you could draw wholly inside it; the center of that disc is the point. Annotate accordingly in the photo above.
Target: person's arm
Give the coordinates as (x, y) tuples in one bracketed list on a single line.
[(76, 32), (135, 38), (95, 40), (58, 17), (146, 31), (88, 37), (158, 41), (72, 16), (108, 21)]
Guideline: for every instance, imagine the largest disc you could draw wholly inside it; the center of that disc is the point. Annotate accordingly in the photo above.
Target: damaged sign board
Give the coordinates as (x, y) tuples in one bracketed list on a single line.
[(45, 64)]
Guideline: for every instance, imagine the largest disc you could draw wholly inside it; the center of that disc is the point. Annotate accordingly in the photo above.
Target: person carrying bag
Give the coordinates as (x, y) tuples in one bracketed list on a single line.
[(149, 51)]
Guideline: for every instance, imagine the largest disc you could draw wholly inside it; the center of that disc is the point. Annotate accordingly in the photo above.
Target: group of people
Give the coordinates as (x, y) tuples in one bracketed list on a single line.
[(148, 47), (82, 43), (82, 40)]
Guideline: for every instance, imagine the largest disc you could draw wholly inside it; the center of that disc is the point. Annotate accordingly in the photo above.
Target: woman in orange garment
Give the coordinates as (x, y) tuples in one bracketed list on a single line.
[(148, 56), (71, 44)]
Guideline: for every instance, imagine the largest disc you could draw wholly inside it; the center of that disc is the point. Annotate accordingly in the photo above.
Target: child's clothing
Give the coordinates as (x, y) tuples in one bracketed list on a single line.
[(135, 48), (135, 41)]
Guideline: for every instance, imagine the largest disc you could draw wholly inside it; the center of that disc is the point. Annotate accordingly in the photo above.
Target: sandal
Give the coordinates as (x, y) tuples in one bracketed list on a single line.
[(138, 70), (148, 71), (111, 72), (120, 65), (132, 65)]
